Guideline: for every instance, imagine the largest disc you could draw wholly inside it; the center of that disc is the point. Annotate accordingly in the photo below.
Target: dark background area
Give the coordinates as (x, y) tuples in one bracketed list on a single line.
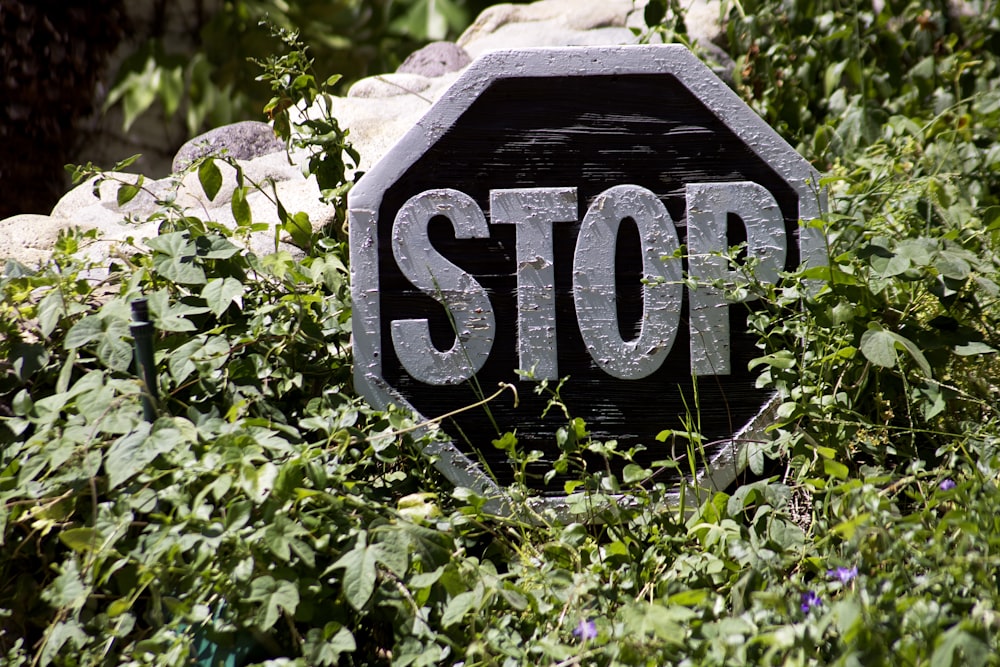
[(53, 55)]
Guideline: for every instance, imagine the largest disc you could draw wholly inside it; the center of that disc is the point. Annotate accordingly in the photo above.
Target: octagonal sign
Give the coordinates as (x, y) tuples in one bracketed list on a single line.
[(563, 213)]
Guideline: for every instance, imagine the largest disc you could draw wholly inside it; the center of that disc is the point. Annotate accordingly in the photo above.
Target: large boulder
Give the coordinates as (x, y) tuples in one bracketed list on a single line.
[(244, 141), (435, 59)]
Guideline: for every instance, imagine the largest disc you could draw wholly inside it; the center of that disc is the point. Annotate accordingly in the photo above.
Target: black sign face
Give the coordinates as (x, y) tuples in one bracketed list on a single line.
[(562, 212)]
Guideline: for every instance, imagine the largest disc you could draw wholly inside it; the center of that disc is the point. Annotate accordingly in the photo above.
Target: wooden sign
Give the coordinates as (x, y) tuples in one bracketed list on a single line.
[(562, 212)]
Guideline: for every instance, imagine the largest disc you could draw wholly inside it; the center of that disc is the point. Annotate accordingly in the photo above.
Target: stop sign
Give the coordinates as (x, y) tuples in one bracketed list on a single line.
[(562, 212)]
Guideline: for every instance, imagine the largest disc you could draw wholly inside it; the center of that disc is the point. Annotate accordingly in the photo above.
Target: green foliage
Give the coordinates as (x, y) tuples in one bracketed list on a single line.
[(295, 87), (209, 86), (831, 76), (267, 515)]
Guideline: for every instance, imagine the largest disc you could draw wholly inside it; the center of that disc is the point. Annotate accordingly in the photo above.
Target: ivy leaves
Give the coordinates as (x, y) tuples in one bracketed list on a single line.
[(359, 574), (881, 347), (268, 507), (180, 258), (108, 333), (275, 597), (133, 452)]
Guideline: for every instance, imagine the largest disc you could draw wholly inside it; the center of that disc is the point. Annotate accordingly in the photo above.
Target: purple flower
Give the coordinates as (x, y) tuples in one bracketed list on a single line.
[(843, 574), (809, 600), (586, 629), (947, 484)]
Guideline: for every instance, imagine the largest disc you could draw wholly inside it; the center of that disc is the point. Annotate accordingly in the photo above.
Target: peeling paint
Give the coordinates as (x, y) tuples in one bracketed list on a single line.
[(537, 141)]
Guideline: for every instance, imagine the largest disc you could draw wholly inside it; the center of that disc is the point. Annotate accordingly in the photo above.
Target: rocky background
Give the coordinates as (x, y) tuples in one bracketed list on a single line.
[(377, 110)]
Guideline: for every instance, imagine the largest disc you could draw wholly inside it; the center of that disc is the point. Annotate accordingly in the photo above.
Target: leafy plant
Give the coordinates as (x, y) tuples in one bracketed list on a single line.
[(209, 85), (267, 515)]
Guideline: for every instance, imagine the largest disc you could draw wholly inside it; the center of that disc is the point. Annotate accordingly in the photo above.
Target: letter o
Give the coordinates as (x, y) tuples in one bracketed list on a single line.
[(594, 283)]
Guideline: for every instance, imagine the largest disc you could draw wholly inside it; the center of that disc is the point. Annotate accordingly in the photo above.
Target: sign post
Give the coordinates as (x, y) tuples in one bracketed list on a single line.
[(563, 212)]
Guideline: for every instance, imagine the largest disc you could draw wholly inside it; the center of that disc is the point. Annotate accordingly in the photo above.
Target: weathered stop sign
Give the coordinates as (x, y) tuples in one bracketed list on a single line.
[(562, 211)]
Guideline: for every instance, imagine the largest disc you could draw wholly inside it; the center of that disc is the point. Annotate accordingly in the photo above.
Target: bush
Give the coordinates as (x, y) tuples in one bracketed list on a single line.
[(266, 514)]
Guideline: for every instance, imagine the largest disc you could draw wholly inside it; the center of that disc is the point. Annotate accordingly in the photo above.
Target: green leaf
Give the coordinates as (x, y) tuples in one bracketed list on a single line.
[(128, 191), (930, 398), (846, 529), (325, 646), (68, 589), (961, 645), (843, 313), (240, 208), (343, 641), (754, 453), (305, 552), (782, 359), (179, 363), (916, 353), (514, 598), (919, 251), (138, 94), (131, 454), (51, 309), (300, 229), (111, 335), (282, 538), (119, 607), (656, 619), (173, 258), (880, 347), (952, 265), (114, 349), (276, 596), (215, 246), (22, 403), (258, 482), (80, 539), (426, 579), (180, 270), (633, 473), (894, 266), (210, 177), (171, 88), (27, 359), (848, 617), (787, 410), (238, 513), (655, 12), (220, 293), (393, 550), (359, 578), (84, 332), (834, 73), (60, 633), (459, 606), (126, 163), (975, 347), (170, 316), (173, 244), (690, 598), (835, 469), (274, 538)]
